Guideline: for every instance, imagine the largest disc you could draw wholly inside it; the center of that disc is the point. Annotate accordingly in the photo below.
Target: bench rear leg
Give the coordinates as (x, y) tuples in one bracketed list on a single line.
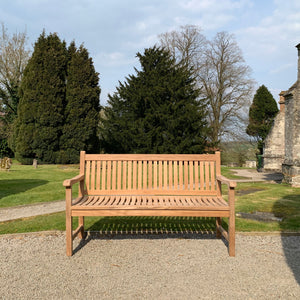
[(218, 223), (81, 234)]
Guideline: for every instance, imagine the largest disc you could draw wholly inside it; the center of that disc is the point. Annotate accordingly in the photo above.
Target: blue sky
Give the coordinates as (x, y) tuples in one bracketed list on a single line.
[(113, 31)]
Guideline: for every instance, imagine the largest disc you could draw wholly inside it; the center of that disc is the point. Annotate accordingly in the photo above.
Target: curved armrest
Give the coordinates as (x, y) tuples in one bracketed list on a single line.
[(230, 183), (69, 182)]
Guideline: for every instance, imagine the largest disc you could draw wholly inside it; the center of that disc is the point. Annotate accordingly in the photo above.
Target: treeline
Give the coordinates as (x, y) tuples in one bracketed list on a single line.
[(186, 95), (58, 110)]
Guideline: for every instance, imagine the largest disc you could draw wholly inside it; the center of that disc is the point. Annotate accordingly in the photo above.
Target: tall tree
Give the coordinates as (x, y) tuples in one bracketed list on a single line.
[(226, 84), (261, 115), (186, 46), (14, 56), (81, 115), (221, 73), (156, 110), (42, 101)]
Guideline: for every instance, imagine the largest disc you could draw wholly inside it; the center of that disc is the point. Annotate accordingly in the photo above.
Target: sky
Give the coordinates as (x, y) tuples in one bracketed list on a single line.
[(113, 31)]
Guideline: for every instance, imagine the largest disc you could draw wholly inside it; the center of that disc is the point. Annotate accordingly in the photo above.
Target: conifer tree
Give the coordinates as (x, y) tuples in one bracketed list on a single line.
[(42, 101), (156, 110), (81, 115), (261, 115)]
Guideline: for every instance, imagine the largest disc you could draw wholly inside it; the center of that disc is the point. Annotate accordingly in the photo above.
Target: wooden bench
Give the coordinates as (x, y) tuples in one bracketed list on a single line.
[(150, 185)]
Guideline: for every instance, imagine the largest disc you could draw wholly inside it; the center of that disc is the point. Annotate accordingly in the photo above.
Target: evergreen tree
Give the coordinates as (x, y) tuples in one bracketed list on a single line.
[(261, 115), (42, 101), (81, 116), (156, 110)]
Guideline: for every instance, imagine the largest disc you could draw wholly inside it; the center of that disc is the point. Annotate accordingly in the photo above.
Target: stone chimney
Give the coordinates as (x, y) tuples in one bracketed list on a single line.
[(282, 101), (298, 47)]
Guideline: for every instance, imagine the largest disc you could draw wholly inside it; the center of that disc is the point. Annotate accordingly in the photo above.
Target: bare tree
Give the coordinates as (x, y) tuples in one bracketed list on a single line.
[(227, 85), (14, 56), (221, 73), (186, 45)]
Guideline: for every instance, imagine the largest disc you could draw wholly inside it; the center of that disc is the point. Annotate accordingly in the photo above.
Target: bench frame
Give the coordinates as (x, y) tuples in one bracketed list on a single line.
[(117, 182)]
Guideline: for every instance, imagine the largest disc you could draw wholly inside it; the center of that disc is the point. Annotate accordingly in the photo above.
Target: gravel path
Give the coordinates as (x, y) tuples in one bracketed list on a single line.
[(35, 266), (25, 211), (255, 176)]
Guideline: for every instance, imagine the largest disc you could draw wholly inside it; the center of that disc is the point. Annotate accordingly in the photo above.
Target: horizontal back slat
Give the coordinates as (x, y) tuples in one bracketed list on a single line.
[(140, 174), (153, 157)]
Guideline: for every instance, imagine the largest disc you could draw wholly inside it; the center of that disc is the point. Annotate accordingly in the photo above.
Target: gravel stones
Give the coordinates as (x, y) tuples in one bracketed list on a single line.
[(35, 266)]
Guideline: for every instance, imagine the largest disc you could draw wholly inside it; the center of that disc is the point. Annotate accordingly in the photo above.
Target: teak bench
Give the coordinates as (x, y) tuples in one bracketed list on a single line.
[(150, 185)]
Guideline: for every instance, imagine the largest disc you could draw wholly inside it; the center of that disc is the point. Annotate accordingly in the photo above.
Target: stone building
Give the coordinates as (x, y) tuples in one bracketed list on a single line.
[(290, 104), (274, 148), (291, 163)]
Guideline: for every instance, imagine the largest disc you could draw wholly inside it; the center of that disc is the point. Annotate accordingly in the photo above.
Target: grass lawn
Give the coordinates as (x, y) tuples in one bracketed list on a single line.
[(25, 185)]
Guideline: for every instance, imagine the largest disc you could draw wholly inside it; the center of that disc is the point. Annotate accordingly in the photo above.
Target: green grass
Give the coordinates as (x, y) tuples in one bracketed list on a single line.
[(280, 199), (111, 224), (27, 185)]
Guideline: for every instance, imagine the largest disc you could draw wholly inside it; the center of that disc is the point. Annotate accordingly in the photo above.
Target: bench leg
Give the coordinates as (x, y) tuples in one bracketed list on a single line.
[(231, 232), (69, 235), (81, 234), (218, 223)]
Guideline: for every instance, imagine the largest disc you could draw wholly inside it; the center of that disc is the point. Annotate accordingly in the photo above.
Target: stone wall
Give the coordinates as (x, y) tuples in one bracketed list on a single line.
[(282, 146), (274, 148), (291, 163)]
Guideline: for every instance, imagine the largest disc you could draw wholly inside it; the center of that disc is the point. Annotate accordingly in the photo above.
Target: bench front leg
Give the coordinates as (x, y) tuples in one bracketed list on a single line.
[(231, 227), (69, 230)]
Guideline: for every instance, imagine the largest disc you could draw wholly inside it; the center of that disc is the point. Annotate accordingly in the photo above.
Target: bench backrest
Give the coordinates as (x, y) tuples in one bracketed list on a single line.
[(152, 174)]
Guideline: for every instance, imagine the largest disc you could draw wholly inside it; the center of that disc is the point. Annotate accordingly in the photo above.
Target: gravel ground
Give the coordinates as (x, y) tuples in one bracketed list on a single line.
[(25, 211), (255, 176), (35, 266)]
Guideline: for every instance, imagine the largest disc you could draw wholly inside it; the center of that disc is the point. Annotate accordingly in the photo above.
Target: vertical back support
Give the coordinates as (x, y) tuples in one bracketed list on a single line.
[(218, 171), (146, 173)]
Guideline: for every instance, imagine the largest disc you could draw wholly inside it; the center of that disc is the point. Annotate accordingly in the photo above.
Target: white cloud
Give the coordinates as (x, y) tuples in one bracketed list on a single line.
[(112, 59), (214, 14), (269, 45), (282, 68), (216, 5), (274, 32)]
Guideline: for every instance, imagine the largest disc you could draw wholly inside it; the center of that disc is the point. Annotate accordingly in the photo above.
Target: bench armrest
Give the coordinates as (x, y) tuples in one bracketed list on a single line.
[(69, 182), (223, 179)]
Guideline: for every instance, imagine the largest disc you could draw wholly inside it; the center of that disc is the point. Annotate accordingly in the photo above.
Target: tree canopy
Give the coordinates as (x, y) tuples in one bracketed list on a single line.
[(81, 113), (157, 110), (49, 109), (221, 75), (261, 115)]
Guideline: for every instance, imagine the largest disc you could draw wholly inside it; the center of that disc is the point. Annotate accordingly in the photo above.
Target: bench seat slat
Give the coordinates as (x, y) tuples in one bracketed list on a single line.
[(148, 202)]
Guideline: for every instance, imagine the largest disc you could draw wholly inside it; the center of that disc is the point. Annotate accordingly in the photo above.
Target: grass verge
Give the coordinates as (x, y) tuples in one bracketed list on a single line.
[(280, 199), (26, 185)]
